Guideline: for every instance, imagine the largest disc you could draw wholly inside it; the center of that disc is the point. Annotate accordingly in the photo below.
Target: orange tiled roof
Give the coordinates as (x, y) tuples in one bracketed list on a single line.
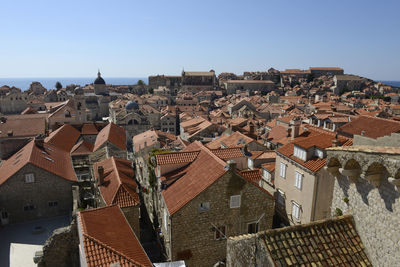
[(234, 140), (176, 157), (49, 158), (199, 175), (108, 238), (89, 128), (270, 166), (251, 175), (228, 153), (22, 127), (64, 137), (118, 187), (82, 148), (113, 134), (330, 242), (373, 127)]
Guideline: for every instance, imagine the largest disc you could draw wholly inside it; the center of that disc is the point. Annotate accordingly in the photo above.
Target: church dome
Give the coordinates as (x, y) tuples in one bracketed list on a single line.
[(131, 105), (99, 80)]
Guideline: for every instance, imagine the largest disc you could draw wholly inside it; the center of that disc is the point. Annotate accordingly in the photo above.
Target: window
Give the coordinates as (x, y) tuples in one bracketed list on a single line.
[(235, 202), (29, 178), (300, 153), (252, 228), (319, 153), (266, 176), (298, 180), (283, 170), (29, 207), (4, 215), (295, 210), (220, 233), (165, 221), (204, 206), (171, 129), (53, 203), (280, 197)]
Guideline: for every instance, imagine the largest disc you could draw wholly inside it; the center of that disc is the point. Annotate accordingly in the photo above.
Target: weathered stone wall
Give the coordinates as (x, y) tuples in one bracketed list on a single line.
[(194, 230), (376, 215), (247, 250), (132, 215), (387, 141), (61, 249), (15, 193)]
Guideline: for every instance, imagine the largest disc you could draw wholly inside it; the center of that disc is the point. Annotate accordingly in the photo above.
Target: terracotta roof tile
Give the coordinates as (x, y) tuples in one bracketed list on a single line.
[(270, 166), (113, 134), (48, 158), (252, 175), (82, 148), (200, 174), (118, 187), (22, 127), (64, 137), (228, 153), (234, 140), (108, 239), (176, 157), (89, 128), (330, 242), (373, 127)]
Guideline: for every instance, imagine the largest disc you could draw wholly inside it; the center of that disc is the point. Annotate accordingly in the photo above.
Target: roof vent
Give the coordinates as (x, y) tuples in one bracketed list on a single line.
[(10, 133), (362, 133)]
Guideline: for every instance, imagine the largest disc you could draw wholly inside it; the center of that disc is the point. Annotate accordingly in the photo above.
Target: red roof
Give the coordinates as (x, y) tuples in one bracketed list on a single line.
[(82, 148), (89, 128), (108, 238), (234, 140), (118, 187), (176, 157), (228, 153), (199, 175), (113, 134), (372, 127), (64, 137), (49, 158), (251, 175), (22, 126)]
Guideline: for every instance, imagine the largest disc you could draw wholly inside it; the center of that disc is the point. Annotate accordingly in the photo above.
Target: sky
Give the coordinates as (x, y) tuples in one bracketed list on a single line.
[(139, 38)]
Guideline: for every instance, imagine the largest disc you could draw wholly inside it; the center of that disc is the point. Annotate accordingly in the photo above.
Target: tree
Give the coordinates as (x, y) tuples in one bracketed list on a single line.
[(151, 90), (141, 83), (58, 86)]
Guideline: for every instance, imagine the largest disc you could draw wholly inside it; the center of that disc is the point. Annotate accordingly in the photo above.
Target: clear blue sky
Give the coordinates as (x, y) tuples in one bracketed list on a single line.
[(140, 38)]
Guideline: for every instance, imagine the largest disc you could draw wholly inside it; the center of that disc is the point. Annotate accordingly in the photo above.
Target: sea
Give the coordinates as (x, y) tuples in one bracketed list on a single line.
[(49, 83), (391, 83)]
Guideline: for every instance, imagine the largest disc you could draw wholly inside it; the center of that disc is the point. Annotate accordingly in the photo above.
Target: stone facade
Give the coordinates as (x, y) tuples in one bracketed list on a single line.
[(245, 249), (191, 233), (367, 186), (16, 194)]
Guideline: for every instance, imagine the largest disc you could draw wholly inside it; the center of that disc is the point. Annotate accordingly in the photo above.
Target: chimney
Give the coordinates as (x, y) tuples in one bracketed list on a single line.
[(100, 171), (231, 166), (288, 130), (295, 126), (251, 126), (39, 140)]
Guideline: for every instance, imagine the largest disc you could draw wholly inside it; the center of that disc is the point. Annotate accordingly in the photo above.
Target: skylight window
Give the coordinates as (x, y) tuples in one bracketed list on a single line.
[(49, 159)]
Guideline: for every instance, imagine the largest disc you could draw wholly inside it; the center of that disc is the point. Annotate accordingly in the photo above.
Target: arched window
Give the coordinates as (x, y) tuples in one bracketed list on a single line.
[(67, 114)]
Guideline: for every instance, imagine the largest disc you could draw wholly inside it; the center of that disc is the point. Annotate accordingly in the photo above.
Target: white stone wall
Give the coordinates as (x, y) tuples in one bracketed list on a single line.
[(376, 212)]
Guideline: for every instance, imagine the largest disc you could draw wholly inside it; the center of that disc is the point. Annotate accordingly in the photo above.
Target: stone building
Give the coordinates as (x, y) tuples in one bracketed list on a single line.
[(198, 81), (36, 182), (17, 130), (204, 201), (116, 186), (170, 82), (110, 141), (367, 185), (330, 242), (262, 86), (321, 71), (14, 102), (348, 82), (303, 187), (199, 129), (119, 247)]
